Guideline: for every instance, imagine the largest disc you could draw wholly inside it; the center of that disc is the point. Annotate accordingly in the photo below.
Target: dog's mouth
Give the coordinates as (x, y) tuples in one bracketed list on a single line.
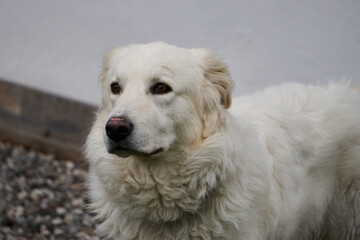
[(123, 151)]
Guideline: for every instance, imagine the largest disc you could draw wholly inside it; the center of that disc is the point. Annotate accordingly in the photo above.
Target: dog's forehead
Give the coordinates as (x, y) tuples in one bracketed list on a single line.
[(151, 60)]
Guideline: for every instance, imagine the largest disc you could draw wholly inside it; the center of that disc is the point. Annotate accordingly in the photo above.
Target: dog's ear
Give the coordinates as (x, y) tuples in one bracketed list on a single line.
[(218, 82), (109, 58), (108, 61), (216, 89)]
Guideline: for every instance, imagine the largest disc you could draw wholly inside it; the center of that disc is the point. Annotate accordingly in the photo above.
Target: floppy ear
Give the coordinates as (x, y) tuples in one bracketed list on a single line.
[(109, 58), (104, 75), (215, 93), (218, 83), (108, 61)]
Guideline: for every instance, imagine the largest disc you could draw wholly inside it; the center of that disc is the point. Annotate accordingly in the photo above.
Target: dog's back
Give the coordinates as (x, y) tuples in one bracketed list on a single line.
[(313, 136)]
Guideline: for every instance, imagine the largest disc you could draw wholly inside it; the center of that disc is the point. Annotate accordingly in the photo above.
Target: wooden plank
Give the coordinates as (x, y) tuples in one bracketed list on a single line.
[(44, 121)]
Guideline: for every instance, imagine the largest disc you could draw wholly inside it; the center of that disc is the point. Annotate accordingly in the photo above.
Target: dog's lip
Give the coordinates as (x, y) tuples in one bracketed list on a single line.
[(135, 151), (156, 151)]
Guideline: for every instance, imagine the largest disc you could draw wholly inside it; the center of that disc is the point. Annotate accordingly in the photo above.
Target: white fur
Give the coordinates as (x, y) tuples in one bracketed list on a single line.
[(280, 164)]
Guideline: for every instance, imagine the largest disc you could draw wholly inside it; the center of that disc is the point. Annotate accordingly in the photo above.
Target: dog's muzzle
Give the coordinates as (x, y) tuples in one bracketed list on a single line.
[(118, 130)]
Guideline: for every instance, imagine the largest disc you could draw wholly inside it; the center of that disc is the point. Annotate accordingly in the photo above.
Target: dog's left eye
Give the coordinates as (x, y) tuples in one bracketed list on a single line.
[(115, 88), (160, 88)]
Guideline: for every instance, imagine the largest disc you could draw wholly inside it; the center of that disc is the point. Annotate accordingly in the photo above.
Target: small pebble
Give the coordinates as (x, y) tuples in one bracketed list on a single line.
[(44, 231), (56, 221), (78, 202), (68, 218), (58, 231), (78, 211), (60, 211)]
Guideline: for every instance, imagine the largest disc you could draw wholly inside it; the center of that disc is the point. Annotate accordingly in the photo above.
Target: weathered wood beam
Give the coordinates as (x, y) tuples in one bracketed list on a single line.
[(44, 121)]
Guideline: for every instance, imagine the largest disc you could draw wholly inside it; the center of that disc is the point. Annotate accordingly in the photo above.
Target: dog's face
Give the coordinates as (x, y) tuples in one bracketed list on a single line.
[(156, 95)]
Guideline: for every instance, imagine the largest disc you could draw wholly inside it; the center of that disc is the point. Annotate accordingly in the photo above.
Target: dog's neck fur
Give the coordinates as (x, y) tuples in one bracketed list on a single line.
[(173, 193), (167, 191), (178, 185)]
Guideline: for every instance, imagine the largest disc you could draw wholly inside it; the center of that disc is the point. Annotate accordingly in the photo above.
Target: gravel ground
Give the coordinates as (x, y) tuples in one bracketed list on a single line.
[(41, 197)]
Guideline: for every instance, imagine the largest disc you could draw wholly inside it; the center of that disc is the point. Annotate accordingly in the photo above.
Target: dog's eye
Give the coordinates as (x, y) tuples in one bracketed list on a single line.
[(115, 88), (160, 88)]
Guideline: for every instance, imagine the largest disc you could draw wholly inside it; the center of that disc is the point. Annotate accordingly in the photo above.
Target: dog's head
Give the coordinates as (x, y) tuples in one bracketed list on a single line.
[(155, 95)]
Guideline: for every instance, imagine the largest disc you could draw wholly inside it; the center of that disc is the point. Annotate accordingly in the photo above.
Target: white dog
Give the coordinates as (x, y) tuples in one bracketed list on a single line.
[(170, 160)]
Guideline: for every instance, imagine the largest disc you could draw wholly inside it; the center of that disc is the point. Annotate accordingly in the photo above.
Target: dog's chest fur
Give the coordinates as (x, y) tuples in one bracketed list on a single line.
[(160, 192)]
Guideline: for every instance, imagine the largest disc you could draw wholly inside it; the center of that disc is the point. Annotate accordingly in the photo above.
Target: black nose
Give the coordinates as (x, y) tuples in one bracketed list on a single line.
[(118, 128)]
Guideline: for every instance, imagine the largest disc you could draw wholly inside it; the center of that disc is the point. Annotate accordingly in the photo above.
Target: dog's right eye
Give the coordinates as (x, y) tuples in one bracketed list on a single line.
[(160, 88), (115, 88)]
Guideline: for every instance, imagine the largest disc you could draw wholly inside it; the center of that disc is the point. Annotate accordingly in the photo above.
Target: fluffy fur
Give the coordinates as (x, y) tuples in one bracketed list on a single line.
[(280, 164)]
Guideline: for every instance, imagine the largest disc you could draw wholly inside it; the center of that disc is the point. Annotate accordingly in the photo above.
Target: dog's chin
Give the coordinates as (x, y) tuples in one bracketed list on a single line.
[(124, 152)]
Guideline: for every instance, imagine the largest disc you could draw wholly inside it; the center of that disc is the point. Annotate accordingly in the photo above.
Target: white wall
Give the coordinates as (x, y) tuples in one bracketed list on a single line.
[(58, 45)]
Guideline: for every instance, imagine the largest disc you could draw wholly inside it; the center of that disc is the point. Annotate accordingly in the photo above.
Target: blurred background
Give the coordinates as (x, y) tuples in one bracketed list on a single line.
[(58, 46), (50, 59)]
